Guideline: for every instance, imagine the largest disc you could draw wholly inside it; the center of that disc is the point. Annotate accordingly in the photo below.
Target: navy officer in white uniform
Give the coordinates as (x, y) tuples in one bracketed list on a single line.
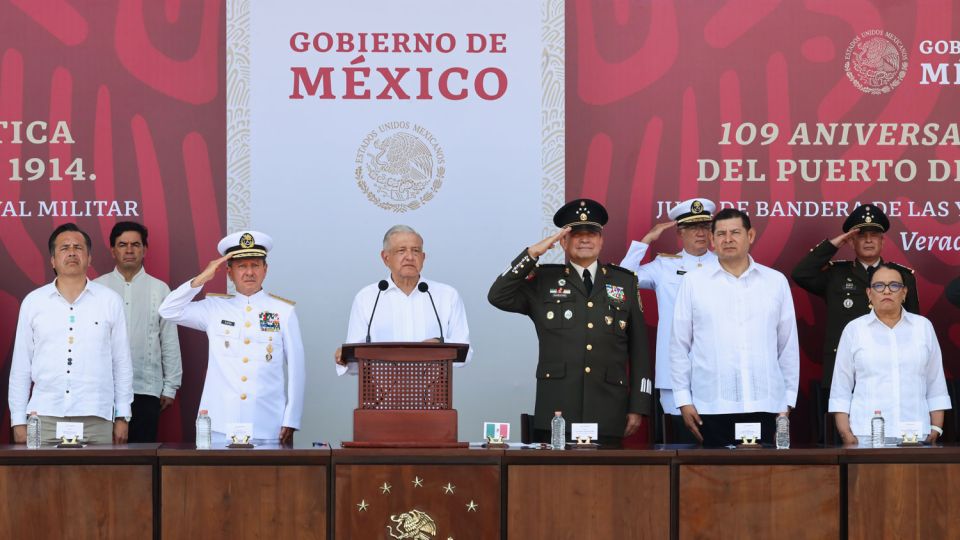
[(255, 371), (664, 275), (404, 311)]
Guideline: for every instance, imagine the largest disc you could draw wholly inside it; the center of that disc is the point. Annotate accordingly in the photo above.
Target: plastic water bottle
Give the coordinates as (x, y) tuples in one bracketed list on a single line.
[(204, 427), (783, 432), (876, 430), (558, 432), (33, 430)]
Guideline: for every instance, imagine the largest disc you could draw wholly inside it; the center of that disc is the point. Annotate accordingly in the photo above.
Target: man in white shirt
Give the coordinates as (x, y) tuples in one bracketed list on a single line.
[(255, 368), (664, 274), (71, 345), (154, 344), (403, 312), (734, 353)]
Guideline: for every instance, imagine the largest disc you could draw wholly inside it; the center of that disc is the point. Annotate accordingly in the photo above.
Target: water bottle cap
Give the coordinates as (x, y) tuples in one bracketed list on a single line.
[(557, 413), (203, 412)]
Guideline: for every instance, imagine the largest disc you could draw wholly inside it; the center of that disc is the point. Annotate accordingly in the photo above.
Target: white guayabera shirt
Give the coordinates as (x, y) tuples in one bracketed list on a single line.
[(898, 371)]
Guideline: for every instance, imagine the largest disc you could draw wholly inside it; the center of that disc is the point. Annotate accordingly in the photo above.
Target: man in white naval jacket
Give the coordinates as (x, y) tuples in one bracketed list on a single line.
[(664, 274), (253, 337)]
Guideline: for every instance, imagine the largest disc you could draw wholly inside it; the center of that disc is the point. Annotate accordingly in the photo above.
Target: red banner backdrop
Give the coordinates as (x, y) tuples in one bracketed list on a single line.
[(140, 87), (651, 83)]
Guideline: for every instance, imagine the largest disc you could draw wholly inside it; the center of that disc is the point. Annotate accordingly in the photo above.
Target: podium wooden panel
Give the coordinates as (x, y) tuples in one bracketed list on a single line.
[(903, 492), (759, 494), (441, 493), (92, 492), (405, 394), (595, 494), (255, 493)]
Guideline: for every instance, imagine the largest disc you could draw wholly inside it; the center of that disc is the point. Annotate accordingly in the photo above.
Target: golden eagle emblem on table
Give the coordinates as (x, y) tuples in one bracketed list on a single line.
[(412, 525)]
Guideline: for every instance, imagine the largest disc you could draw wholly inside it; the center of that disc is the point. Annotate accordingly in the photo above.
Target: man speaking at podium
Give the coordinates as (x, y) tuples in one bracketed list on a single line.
[(594, 364), (405, 307)]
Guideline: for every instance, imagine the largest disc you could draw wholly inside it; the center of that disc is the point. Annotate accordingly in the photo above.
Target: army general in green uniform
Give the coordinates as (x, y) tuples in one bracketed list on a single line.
[(594, 362)]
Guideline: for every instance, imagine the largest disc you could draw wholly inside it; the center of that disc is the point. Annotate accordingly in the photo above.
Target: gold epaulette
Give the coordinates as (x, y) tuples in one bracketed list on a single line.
[(219, 295), (669, 255), (282, 299)]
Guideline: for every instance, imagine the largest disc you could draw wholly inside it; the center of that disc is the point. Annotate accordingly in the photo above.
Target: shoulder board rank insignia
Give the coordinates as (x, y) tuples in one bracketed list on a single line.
[(620, 268), (841, 261), (669, 255), (219, 295), (552, 265), (907, 268), (282, 299)]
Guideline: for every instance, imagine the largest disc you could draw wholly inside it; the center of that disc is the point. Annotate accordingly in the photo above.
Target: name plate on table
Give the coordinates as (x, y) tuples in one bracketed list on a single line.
[(910, 434), (70, 430), (582, 431), (749, 431), (239, 434)]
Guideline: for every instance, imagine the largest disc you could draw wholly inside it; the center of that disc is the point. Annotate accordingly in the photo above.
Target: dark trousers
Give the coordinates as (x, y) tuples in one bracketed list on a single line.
[(146, 418), (606, 441), (718, 429), (676, 431)]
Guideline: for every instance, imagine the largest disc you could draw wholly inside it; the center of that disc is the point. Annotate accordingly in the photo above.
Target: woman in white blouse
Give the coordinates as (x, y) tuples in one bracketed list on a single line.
[(888, 360)]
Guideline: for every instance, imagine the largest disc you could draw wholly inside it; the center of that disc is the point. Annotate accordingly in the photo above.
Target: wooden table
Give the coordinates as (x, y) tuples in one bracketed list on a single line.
[(760, 493), (264, 492), (588, 494), (101, 491), (902, 492), (450, 493)]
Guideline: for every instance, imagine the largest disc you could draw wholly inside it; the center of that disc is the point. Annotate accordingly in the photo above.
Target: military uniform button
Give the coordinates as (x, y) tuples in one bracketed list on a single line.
[(245, 360), (587, 369), (249, 309), (247, 324), (244, 378), (547, 375), (589, 304), (243, 396), (246, 341), (589, 347), (589, 325)]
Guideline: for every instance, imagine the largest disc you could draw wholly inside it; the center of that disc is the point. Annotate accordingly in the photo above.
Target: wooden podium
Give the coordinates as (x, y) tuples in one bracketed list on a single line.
[(405, 394)]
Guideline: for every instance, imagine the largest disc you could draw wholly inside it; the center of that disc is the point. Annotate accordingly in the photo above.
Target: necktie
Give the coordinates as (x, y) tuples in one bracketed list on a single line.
[(587, 280)]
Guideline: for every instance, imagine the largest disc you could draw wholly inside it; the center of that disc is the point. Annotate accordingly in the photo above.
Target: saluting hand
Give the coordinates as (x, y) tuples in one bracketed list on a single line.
[(209, 271), (656, 231), (547, 243), (691, 419), (842, 240), (337, 357)]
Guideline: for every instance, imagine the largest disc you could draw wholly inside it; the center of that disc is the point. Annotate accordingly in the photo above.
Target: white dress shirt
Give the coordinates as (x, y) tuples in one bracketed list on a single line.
[(898, 371), (76, 355), (664, 275), (734, 344), (407, 318), (255, 367), (154, 344)]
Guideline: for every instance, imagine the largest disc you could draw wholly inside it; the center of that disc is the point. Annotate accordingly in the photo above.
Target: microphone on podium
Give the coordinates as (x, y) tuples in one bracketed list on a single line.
[(423, 287), (382, 286)]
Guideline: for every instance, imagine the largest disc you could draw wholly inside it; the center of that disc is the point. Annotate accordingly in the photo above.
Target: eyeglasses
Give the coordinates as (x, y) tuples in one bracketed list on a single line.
[(879, 287)]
